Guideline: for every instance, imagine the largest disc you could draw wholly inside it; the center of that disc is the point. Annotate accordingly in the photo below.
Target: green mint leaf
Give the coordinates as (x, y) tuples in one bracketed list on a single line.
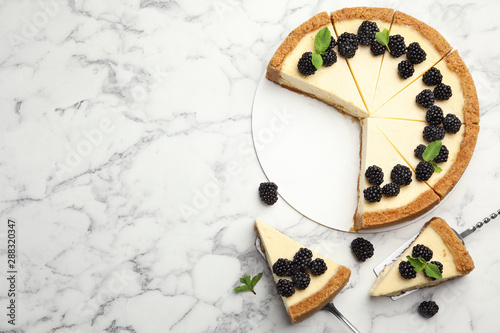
[(242, 288), (242, 280), (432, 150), (416, 263), (256, 279), (382, 38), (432, 270), (248, 280), (435, 166), (317, 60), (322, 40)]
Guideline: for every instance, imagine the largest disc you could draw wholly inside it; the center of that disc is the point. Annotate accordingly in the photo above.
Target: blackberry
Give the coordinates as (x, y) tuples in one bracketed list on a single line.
[(362, 248), (329, 58), (433, 133), (332, 44), (443, 155), (425, 98), (428, 308), (305, 64), (442, 92), (415, 54), (374, 175), (421, 251), (397, 46), (373, 193), (348, 44), (419, 151), (391, 190), (405, 69), (401, 175), (317, 266), (283, 267), (406, 270), (301, 259), (424, 171), (366, 32), (432, 77), (451, 123), (285, 288), (440, 267), (377, 48), (301, 280), (268, 192), (434, 115)]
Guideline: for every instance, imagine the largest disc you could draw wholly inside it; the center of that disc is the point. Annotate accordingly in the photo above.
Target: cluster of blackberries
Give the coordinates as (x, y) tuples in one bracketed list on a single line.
[(297, 269), (375, 176), (306, 66), (414, 55), (407, 271)]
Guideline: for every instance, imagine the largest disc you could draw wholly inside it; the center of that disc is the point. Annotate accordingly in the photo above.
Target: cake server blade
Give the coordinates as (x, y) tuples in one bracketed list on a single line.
[(329, 307), (393, 256)]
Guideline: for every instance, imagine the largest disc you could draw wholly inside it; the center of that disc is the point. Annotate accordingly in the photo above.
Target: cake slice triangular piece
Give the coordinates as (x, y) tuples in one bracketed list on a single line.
[(413, 199), (406, 135), (365, 66), (413, 31), (321, 289), (333, 85), (463, 102), (447, 249)]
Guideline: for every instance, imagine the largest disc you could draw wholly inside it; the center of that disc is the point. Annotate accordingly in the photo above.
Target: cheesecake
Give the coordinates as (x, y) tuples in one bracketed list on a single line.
[(321, 289), (446, 248), (413, 200)]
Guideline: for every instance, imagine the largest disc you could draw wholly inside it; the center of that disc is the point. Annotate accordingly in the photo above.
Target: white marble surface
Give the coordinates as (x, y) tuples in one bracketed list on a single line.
[(127, 162)]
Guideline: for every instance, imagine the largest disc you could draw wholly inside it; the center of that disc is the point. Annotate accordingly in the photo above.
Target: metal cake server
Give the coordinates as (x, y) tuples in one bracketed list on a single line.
[(403, 247), (329, 307)]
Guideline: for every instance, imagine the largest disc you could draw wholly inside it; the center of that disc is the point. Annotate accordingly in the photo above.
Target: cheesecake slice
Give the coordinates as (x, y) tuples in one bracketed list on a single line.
[(463, 102), (365, 67), (333, 85), (447, 249), (406, 135), (322, 288), (435, 46), (414, 199)]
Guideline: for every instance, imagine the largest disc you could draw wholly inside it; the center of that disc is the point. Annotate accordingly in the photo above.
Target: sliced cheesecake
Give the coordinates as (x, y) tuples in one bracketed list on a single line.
[(333, 85), (364, 66), (413, 199), (413, 30), (322, 288), (406, 135), (446, 248), (463, 102)]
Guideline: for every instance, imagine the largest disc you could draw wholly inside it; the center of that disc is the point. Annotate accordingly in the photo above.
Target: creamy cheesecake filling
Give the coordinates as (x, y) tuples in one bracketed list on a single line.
[(277, 246), (333, 85), (390, 282)]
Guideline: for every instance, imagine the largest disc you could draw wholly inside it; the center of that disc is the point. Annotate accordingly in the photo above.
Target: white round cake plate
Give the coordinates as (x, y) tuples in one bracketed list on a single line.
[(312, 152)]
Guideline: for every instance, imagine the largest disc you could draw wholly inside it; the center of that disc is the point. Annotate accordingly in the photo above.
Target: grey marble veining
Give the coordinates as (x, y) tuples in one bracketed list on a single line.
[(127, 163)]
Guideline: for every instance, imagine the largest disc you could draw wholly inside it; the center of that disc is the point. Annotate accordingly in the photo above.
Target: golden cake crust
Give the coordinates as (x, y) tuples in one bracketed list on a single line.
[(364, 13), (461, 256), (446, 184), (431, 34), (471, 103), (388, 217), (307, 307), (291, 41)]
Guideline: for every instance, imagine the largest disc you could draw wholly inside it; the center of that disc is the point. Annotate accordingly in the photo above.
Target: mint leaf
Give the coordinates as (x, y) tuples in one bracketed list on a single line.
[(322, 40), (256, 279), (416, 263), (435, 166), (248, 283), (432, 270), (243, 288), (432, 151), (382, 38), (317, 60)]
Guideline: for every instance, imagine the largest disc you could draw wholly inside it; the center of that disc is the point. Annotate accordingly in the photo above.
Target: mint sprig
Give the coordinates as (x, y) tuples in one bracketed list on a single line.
[(248, 283), (322, 40), (419, 264), (431, 152), (382, 38)]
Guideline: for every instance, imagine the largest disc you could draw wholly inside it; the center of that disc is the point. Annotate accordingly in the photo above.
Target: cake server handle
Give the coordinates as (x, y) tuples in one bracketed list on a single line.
[(479, 224), (330, 307)]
